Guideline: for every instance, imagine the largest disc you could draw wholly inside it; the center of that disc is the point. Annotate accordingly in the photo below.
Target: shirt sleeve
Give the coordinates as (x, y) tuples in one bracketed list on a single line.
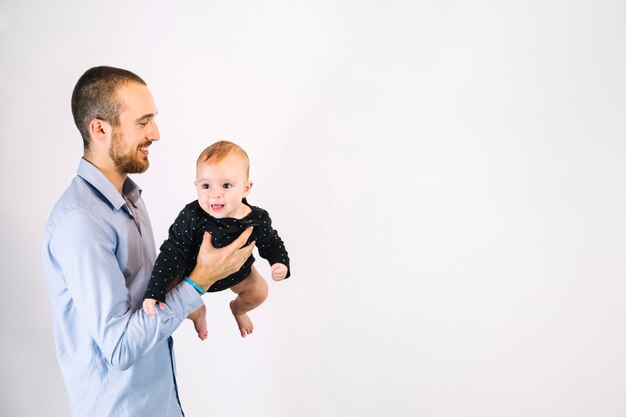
[(270, 244), (100, 296)]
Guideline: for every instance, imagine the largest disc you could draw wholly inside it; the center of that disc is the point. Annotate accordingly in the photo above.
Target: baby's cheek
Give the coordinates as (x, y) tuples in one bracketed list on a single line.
[(203, 204)]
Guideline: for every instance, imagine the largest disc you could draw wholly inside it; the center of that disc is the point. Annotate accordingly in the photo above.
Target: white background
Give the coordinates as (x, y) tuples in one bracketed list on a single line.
[(449, 178)]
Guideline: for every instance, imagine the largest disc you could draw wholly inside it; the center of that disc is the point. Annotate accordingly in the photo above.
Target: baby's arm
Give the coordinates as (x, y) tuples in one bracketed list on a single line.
[(279, 272), (272, 248), (171, 264), (149, 305)]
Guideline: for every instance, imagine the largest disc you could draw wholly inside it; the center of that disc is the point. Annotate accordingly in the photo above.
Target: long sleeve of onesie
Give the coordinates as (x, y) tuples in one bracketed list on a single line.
[(270, 245), (171, 264)]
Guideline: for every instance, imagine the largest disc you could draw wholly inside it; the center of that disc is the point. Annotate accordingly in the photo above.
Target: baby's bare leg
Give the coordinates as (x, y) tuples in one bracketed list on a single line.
[(251, 293), (199, 322)]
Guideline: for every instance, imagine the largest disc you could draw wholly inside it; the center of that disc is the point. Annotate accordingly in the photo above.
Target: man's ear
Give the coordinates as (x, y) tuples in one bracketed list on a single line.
[(99, 129)]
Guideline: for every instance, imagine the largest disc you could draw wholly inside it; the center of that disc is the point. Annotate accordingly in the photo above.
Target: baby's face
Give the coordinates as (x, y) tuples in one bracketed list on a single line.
[(222, 185)]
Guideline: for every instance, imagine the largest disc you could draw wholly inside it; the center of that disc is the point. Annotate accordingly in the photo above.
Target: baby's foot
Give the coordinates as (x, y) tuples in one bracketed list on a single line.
[(199, 322), (243, 321)]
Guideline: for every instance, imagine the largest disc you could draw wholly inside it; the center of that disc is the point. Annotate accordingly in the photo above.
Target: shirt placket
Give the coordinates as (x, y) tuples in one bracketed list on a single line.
[(134, 213)]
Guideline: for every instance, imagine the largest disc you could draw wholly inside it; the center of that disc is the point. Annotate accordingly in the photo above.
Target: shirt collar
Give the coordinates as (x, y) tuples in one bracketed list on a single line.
[(91, 174)]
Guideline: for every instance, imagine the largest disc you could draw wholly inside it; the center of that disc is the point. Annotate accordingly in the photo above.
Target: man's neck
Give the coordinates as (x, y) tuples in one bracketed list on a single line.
[(109, 170)]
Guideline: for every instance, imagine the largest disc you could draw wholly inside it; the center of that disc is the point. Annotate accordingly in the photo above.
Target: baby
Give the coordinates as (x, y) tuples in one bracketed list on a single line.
[(221, 209)]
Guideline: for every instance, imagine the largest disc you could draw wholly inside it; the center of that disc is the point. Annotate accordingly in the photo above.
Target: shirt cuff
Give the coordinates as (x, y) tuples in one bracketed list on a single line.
[(184, 299)]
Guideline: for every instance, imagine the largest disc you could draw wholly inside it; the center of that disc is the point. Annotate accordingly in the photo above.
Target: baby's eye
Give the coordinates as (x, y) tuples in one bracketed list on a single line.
[(204, 186), (227, 185)]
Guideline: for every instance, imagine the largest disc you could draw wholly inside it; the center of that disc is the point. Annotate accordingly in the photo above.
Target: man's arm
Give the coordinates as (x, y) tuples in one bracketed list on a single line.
[(84, 248), (102, 300)]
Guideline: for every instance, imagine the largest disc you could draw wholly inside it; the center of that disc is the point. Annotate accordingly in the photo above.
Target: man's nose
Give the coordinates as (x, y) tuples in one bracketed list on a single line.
[(153, 132)]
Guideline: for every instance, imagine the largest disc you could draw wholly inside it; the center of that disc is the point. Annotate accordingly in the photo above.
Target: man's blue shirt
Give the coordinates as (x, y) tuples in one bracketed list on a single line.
[(98, 253)]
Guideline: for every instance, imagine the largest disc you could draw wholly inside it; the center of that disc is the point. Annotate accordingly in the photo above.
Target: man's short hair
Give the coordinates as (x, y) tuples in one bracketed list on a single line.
[(95, 97)]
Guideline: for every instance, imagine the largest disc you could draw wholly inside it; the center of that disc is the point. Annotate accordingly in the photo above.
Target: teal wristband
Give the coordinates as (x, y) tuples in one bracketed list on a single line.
[(196, 286)]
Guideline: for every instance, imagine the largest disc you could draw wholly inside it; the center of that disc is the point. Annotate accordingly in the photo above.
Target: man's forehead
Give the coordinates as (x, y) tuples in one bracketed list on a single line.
[(136, 98)]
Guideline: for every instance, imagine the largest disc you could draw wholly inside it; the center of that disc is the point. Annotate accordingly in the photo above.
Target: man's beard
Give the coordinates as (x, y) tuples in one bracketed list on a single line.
[(126, 162)]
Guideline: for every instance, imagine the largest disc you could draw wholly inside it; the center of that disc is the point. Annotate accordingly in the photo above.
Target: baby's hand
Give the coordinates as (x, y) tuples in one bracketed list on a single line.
[(279, 272), (149, 305)]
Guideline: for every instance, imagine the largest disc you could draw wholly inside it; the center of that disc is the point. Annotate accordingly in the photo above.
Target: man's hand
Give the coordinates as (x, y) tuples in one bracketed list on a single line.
[(214, 264)]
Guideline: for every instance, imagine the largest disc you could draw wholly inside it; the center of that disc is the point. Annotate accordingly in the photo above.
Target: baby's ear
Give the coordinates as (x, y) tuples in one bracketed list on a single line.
[(248, 187)]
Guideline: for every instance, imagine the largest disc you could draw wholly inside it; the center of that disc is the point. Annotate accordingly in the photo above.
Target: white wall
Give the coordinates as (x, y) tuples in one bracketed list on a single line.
[(449, 177)]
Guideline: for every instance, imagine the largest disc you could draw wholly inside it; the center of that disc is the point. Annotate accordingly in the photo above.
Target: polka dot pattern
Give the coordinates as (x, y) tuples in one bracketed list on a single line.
[(179, 252)]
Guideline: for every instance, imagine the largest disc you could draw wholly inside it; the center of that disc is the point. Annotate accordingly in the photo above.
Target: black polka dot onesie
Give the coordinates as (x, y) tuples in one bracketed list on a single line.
[(179, 252)]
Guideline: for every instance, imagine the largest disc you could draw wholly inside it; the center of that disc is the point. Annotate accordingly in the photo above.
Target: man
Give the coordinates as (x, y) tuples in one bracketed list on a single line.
[(98, 255)]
